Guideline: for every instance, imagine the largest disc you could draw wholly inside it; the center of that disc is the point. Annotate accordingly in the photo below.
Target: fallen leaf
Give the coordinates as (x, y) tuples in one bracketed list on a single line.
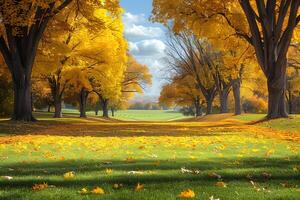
[(84, 191), (187, 194), (69, 175), (39, 187), (221, 184), (98, 190), (139, 187)]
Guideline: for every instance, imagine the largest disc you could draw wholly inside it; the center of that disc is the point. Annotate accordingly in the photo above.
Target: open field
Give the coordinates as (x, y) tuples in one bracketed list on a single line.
[(221, 156), (138, 115)]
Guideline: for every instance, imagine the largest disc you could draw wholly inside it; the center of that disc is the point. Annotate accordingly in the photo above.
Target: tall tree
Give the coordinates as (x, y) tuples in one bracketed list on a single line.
[(267, 25), (188, 56), (22, 26)]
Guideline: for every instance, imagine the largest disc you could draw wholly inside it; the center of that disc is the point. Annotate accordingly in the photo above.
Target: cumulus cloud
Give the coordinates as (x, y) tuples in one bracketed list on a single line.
[(147, 46), (137, 27), (139, 31), (152, 47), (130, 19)]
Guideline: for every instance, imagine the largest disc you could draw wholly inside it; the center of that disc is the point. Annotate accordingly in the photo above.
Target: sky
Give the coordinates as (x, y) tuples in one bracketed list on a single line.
[(146, 42)]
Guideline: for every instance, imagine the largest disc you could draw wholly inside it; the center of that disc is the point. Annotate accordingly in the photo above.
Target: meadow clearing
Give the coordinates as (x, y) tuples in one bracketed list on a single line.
[(217, 157)]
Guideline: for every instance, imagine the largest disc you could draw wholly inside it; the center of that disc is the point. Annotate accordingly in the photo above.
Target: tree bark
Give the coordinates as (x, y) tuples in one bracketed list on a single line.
[(276, 102), (57, 107), (112, 112), (198, 112), (19, 52), (209, 103), (104, 105), (236, 87), (223, 102), (271, 38), (49, 108), (83, 101), (22, 100)]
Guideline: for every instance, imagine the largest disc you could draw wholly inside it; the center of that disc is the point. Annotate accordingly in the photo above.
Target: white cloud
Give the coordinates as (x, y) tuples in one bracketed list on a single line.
[(139, 31), (152, 47), (136, 28), (147, 46), (130, 19)]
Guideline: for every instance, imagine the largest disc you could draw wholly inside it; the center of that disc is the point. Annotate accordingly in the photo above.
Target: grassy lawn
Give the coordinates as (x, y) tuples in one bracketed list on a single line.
[(227, 159), (133, 115), (149, 115)]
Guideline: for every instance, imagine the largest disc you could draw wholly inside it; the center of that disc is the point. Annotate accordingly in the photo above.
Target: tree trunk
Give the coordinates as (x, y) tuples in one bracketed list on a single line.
[(83, 101), (223, 102), (104, 105), (276, 102), (57, 106), (209, 103), (112, 112), (236, 87), (49, 108), (22, 100), (198, 107)]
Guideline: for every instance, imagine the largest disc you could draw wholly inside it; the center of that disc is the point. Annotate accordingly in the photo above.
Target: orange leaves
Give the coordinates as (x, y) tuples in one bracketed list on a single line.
[(189, 194), (139, 187), (38, 187), (97, 191), (221, 184)]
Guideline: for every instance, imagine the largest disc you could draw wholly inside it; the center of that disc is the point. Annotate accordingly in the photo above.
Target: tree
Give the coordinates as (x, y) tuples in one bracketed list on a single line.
[(107, 67), (267, 25), (188, 55), (22, 26), (182, 91), (136, 78)]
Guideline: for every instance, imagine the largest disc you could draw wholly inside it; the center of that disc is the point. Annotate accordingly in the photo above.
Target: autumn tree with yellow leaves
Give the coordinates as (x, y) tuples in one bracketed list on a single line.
[(182, 91), (268, 26), (22, 26)]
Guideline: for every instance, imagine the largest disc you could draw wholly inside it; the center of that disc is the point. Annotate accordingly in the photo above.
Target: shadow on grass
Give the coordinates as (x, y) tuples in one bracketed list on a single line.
[(93, 172), (86, 127)]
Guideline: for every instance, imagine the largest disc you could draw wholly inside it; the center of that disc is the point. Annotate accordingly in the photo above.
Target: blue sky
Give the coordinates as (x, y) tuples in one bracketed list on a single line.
[(146, 42)]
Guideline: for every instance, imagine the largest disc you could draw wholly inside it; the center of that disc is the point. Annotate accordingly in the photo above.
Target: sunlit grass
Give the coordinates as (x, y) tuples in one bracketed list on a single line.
[(149, 153)]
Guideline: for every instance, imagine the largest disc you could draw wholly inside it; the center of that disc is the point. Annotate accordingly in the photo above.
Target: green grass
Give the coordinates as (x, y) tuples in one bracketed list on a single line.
[(131, 115), (250, 117), (149, 115), (158, 151), (291, 124)]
